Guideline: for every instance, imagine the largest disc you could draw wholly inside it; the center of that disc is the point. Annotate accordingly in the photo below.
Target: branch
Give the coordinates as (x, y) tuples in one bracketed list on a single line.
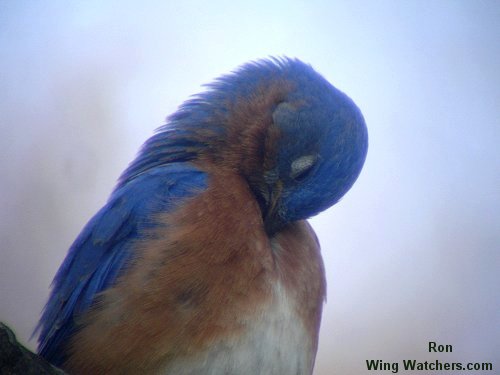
[(15, 359)]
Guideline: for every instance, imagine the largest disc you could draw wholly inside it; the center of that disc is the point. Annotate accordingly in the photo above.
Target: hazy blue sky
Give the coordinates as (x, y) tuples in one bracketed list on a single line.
[(411, 252)]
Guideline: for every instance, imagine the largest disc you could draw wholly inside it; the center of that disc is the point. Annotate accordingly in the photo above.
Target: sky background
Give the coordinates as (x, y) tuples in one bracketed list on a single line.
[(411, 252)]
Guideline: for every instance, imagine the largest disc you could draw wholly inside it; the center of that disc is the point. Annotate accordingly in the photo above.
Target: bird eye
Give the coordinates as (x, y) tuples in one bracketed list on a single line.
[(301, 167)]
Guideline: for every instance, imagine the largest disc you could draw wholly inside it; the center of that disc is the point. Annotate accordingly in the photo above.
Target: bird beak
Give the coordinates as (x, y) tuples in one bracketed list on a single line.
[(272, 220)]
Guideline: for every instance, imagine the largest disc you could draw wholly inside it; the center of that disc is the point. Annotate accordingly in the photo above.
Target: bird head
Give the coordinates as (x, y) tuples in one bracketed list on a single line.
[(321, 149), (298, 141), (303, 142)]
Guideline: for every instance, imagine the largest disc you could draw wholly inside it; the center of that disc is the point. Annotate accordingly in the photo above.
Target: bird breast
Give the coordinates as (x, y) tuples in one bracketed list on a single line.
[(275, 342)]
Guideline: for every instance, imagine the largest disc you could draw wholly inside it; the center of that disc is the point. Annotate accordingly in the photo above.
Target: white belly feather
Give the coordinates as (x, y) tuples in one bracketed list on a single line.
[(276, 343)]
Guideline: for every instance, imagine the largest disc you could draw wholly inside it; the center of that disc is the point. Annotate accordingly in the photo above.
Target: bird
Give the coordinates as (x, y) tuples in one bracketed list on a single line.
[(202, 260)]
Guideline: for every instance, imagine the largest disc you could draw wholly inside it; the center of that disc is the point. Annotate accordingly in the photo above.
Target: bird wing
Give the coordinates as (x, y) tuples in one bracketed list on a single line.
[(105, 246)]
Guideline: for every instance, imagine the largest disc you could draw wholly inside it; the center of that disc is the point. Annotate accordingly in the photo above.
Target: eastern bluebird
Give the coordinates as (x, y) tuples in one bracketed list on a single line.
[(201, 261)]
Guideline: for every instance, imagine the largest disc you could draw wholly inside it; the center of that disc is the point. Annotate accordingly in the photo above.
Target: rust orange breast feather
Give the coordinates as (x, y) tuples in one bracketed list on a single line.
[(209, 278)]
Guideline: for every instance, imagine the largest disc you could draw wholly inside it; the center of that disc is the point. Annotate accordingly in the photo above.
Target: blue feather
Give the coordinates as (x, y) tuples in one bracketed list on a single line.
[(105, 246)]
